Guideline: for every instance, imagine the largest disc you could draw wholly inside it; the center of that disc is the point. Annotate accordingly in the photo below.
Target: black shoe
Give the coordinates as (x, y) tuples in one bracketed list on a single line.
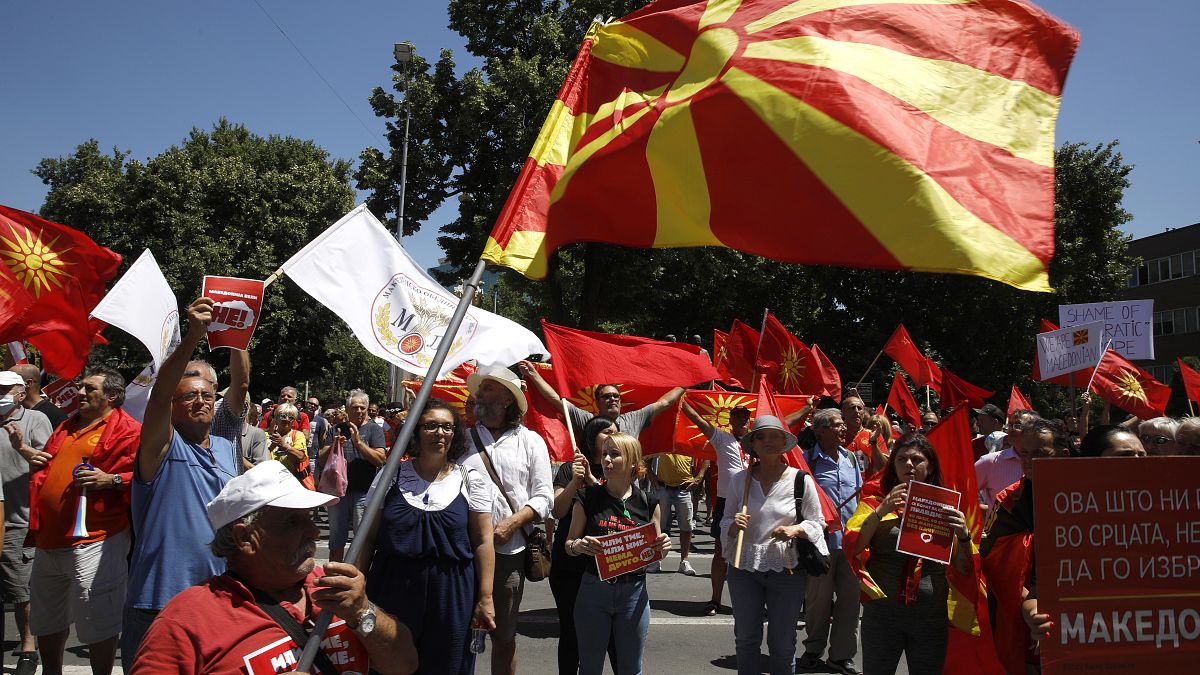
[(845, 666), (810, 663), (27, 663)]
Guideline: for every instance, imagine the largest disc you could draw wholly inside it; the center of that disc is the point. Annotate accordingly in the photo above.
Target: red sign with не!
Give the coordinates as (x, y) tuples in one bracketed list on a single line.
[(924, 527), (1117, 547), (237, 304), (627, 551), (63, 393)]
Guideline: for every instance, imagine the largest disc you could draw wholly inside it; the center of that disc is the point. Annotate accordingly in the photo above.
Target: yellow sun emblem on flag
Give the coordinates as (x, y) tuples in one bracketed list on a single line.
[(722, 354), (34, 262), (1131, 387), (791, 369), (715, 410)]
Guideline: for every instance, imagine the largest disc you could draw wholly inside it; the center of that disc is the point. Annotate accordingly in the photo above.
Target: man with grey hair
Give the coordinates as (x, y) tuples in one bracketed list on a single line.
[(25, 433), (831, 600), (228, 413), (33, 394), (251, 618), (1158, 436), (366, 450), (1188, 436), (302, 421)]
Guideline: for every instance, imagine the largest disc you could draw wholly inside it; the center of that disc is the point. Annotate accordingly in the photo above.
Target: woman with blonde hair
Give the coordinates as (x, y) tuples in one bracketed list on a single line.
[(619, 608), (288, 446)]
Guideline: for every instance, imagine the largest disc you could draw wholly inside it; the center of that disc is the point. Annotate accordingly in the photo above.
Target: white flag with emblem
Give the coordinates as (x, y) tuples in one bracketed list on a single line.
[(142, 304), (396, 310)]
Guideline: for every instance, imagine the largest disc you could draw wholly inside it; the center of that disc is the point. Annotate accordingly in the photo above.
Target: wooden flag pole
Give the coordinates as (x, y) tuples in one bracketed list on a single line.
[(570, 431), (762, 329), (864, 375), (388, 471), (737, 553)]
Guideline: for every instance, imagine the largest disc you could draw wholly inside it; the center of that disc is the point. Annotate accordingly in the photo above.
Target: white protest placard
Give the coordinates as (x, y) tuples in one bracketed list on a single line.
[(1069, 349), (1128, 323)]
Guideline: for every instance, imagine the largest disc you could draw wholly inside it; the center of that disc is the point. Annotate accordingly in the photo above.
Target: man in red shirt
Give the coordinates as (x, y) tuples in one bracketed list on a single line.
[(79, 565), (252, 619), (289, 395)]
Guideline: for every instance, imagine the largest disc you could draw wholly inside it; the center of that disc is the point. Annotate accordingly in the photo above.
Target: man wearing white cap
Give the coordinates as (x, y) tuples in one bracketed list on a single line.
[(518, 463), (252, 618)]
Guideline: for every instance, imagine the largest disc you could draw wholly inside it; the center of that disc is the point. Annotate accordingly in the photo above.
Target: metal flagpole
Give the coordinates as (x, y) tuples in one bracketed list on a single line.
[(388, 472), (1097, 368)]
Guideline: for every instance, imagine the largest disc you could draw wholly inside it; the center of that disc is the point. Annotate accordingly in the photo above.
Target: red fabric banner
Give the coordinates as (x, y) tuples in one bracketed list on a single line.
[(1017, 401), (831, 380), (741, 349), (55, 276), (920, 370), (901, 400), (1191, 381), (788, 364), (956, 390), (1130, 388), (714, 407)]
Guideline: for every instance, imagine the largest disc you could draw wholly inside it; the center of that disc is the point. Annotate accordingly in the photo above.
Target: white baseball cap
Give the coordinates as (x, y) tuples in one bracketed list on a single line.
[(8, 378), (269, 483)]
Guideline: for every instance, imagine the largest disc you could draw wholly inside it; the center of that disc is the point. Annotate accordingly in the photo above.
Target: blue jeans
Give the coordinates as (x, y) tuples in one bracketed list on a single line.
[(620, 610), (343, 517), (781, 594), (134, 625)]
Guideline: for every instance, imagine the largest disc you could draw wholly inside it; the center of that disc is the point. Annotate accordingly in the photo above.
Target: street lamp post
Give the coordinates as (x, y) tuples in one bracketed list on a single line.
[(403, 53)]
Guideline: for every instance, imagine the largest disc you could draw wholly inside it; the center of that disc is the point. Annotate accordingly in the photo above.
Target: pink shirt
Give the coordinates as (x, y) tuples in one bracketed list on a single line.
[(996, 471)]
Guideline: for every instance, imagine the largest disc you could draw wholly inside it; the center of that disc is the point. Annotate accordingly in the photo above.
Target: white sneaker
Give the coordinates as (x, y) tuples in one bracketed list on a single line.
[(685, 567)]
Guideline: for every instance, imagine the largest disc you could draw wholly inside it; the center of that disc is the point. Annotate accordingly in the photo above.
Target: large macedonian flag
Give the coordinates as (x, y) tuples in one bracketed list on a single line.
[(905, 134)]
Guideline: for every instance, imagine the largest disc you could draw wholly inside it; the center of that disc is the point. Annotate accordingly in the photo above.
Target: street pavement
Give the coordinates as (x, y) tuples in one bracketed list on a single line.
[(681, 640)]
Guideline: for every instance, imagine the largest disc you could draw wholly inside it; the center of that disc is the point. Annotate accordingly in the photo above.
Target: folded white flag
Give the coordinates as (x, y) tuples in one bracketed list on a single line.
[(396, 310), (142, 304)]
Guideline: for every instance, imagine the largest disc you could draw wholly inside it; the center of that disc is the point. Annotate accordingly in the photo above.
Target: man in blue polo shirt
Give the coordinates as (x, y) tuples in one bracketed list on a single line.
[(180, 468), (831, 601)]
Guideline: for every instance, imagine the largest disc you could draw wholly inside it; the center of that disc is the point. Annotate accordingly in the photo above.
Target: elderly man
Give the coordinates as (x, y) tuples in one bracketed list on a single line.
[(997, 470), (33, 394), (858, 437), (833, 597), (1187, 438), (1158, 436), (290, 395), (518, 463), (366, 450), (25, 434), (80, 577), (180, 467), (252, 619)]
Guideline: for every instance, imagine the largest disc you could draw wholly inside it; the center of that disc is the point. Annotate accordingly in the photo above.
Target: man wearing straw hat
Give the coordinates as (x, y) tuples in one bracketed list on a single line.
[(79, 518), (252, 619), (518, 463)]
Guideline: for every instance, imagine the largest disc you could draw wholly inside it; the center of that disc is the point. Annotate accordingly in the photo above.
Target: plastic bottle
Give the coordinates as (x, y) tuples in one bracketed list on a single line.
[(478, 640)]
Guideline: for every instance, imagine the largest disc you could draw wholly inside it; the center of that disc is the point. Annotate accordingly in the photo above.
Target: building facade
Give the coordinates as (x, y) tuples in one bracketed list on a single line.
[(1169, 274)]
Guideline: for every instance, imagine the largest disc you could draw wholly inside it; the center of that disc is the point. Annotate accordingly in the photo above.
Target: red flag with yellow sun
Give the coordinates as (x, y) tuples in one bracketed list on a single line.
[(913, 135), (1130, 388), (51, 277)]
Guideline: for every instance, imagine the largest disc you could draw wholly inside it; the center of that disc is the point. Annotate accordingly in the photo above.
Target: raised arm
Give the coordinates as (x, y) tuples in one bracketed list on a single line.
[(540, 385), (239, 381), (702, 424), (668, 399), (156, 427), (792, 419)]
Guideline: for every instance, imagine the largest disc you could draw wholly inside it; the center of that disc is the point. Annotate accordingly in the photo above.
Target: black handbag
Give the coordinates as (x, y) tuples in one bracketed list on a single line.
[(812, 561), (538, 548)]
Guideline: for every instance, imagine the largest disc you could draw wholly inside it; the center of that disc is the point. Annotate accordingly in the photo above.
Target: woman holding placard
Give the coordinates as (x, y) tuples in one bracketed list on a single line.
[(617, 609), (907, 611)]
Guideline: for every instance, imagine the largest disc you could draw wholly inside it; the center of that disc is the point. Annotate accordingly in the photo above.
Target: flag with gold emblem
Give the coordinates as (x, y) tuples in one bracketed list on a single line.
[(914, 134), (1130, 388), (715, 407), (51, 276), (788, 364)]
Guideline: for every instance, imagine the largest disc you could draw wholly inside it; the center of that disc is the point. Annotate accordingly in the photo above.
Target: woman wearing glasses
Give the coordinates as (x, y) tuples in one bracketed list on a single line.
[(1158, 436), (288, 446), (429, 557)]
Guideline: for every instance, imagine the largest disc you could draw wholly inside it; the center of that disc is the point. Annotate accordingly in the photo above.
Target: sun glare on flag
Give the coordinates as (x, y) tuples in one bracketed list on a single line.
[(35, 263)]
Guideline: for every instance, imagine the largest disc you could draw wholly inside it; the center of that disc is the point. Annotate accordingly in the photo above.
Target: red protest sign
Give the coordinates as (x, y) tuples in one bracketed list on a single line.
[(924, 527), (62, 393), (237, 304), (1117, 549), (627, 551)]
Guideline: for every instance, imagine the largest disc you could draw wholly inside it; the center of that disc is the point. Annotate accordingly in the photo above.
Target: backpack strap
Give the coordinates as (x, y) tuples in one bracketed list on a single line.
[(798, 490)]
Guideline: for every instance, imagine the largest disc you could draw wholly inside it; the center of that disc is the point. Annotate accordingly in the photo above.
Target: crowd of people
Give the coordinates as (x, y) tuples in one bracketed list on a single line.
[(189, 539)]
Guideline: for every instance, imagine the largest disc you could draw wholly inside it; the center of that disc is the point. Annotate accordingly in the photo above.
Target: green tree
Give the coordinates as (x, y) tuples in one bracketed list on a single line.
[(226, 203)]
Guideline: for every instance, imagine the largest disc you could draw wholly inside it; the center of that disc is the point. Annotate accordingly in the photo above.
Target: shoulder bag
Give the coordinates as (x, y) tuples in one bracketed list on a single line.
[(811, 560), (537, 544)]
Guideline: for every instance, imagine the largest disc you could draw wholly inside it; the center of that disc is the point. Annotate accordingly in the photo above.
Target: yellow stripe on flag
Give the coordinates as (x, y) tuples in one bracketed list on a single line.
[(718, 11), (805, 7), (585, 153), (680, 189), (905, 209), (984, 106), (525, 253), (623, 45), (562, 128)]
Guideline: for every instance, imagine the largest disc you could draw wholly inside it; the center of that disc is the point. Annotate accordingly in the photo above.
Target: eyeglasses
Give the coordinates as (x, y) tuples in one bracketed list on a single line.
[(1157, 440), (431, 427), (285, 418), (610, 395), (191, 397), (1016, 426)]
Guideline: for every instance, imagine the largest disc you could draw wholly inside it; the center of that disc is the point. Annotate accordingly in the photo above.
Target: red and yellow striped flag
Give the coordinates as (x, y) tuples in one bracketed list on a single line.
[(907, 134)]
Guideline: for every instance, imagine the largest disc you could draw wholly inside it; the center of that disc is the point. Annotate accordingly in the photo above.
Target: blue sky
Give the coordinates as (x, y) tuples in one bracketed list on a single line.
[(139, 74)]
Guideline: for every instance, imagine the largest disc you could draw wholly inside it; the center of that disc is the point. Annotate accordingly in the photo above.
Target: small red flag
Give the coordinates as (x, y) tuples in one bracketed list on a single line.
[(956, 390), (52, 277), (767, 405), (1191, 381), (1017, 401), (1130, 388), (741, 349), (787, 362), (901, 348), (831, 380), (586, 359), (901, 400)]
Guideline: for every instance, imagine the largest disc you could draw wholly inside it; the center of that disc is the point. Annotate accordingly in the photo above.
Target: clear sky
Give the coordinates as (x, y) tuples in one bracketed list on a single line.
[(139, 74)]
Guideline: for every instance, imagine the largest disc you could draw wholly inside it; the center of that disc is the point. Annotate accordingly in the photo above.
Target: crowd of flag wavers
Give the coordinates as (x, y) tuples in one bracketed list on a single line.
[(188, 540)]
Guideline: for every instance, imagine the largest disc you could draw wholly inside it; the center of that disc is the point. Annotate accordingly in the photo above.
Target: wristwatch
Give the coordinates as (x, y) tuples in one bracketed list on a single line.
[(117, 481), (366, 621)]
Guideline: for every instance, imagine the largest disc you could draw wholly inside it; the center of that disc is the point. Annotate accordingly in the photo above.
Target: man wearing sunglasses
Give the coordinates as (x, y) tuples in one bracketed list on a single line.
[(1158, 436), (997, 470), (180, 467)]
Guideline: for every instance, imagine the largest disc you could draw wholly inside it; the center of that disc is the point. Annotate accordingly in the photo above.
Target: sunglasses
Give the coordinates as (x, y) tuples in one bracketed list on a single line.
[(1156, 440)]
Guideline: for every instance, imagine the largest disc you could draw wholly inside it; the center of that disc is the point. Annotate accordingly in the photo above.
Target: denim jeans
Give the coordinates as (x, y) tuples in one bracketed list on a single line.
[(675, 503), (781, 594), (134, 625), (343, 517), (620, 610)]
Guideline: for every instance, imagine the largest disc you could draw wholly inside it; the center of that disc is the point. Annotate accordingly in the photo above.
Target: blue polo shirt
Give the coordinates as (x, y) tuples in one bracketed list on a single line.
[(839, 479), (170, 520)]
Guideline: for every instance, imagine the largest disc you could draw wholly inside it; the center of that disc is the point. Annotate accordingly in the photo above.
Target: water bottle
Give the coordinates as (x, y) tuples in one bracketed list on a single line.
[(478, 640)]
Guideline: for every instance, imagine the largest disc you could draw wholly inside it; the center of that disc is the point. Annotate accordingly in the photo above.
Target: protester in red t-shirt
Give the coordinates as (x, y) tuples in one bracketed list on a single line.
[(288, 395)]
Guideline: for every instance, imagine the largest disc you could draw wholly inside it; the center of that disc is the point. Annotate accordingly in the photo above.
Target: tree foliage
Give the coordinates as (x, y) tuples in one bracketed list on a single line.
[(226, 203), (472, 133)]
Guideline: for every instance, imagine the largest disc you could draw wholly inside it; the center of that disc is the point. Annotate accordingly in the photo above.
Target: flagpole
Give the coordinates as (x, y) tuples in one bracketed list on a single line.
[(1097, 368), (927, 403), (388, 472), (873, 361), (757, 350)]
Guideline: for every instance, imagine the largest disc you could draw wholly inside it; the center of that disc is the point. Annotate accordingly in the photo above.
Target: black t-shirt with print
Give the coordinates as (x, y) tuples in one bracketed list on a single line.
[(561, 562), (608, 515)]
